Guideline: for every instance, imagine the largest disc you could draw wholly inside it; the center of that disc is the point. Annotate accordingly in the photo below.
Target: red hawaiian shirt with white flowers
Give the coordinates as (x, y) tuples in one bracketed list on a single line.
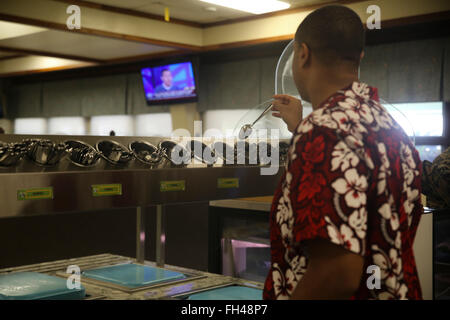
[(352, 178)]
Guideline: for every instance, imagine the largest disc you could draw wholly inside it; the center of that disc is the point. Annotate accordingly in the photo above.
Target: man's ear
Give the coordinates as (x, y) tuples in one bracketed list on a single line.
[(361, 56), (304, 54)]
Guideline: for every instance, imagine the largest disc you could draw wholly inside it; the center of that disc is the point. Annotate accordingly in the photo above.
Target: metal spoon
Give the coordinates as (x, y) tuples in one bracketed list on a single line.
[(247, 129)]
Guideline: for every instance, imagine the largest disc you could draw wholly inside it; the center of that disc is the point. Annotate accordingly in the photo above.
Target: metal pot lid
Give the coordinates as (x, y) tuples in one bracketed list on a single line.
[(10, 154), (265, 152), (199, 150), (224, 150), (145, 152), (82, 154), (166, 147), (113, 152)]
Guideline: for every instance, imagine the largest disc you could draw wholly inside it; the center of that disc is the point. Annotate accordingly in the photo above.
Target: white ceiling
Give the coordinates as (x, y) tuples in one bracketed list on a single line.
[(82, 45), (53, 48), (32, 63), (59, 44), (191, 10), (11, 30)]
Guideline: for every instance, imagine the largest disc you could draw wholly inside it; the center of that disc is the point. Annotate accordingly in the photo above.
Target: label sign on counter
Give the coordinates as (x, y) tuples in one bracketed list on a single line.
[(99, 190), (178, 185), (225, 183), (35, 193)]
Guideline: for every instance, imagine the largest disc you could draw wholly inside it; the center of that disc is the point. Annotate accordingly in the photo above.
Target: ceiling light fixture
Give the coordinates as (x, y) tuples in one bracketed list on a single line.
[(252, 6)]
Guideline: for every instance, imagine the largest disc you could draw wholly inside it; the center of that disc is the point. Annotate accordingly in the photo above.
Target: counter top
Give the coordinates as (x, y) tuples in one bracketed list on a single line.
[(265, 203), (256, 203)]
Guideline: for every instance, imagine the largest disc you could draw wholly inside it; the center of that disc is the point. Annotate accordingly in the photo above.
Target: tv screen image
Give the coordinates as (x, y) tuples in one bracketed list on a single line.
[(169, 83)]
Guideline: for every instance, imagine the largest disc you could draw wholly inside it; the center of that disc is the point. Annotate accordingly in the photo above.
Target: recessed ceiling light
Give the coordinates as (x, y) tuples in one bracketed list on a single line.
[(212, 9), (252, 6)]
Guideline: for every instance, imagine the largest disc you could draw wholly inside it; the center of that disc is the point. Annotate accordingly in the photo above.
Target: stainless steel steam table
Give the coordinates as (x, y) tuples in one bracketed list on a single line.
[(31, 189)]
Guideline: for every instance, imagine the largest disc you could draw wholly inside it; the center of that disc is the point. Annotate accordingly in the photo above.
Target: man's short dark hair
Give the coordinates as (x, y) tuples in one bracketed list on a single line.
[(333, 33), (164, 70)]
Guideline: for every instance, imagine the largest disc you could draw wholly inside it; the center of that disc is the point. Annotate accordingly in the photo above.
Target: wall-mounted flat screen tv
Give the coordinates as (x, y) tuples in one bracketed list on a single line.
[(171, 83)]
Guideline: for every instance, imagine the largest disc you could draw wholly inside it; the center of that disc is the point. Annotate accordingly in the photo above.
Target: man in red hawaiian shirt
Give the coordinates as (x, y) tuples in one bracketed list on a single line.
[(345, 214)]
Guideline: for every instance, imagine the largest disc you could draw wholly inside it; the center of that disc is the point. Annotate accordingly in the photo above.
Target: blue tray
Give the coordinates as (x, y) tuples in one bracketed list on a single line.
[(133, 275), (229, 293), (34, 286)]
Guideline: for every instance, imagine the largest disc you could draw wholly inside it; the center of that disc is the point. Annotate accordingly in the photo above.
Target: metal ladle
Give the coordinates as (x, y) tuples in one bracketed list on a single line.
[(247, 129)]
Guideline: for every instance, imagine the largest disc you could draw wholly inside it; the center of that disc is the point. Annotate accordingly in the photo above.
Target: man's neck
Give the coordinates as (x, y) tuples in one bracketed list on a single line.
[(327, 84)]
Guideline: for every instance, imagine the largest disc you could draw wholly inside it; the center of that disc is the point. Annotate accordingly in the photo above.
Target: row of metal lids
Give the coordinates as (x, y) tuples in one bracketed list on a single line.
[(46, 153)]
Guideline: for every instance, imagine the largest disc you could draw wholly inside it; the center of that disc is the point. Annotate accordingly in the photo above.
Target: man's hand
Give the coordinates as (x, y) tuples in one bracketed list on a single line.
[(289, 109), (333, 272)]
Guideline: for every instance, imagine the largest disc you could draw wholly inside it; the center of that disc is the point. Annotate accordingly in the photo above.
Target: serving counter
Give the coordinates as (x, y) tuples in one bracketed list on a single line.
[(61, 174)]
